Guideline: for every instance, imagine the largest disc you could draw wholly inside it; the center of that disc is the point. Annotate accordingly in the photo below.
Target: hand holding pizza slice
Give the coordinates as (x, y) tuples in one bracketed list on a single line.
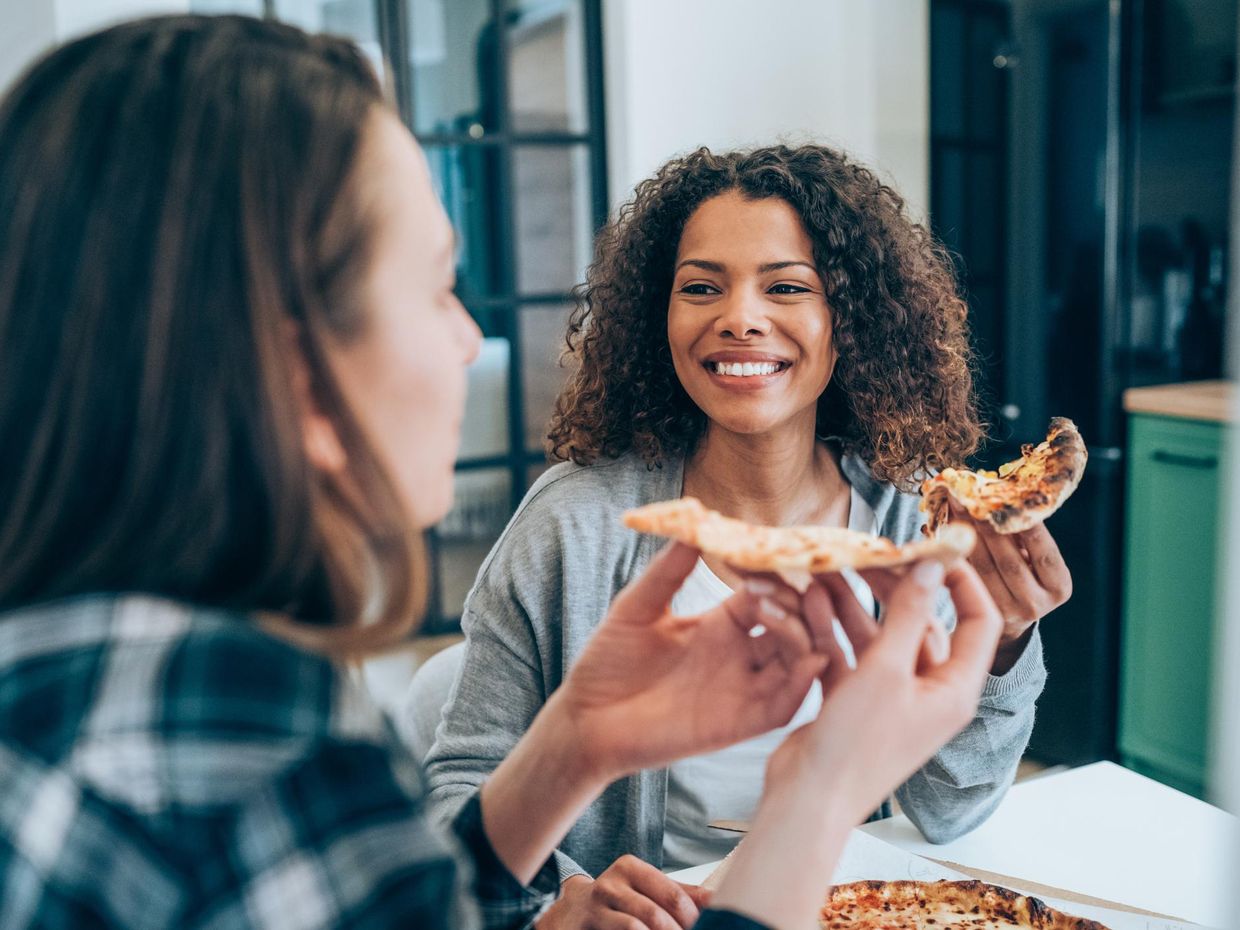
[(1016, 555)]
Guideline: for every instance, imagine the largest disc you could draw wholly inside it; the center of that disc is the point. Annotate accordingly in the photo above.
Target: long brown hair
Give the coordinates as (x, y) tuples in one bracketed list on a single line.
[(178, 212), (901, 396)]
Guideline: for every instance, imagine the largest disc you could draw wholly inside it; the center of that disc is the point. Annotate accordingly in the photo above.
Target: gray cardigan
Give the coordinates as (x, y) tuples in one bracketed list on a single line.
[(550, 579)]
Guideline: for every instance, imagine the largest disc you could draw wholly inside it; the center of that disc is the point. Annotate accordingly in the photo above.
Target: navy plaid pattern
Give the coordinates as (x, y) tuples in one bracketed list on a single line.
[(165, 766), (168, 766)]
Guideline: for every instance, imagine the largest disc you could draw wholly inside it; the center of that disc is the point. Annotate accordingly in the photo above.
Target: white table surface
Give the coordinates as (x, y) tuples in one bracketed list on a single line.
[(1099, 831)]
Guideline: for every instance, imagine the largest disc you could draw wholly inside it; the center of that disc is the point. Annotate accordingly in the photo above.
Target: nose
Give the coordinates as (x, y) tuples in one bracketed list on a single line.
[(742, 316), (471, 334)]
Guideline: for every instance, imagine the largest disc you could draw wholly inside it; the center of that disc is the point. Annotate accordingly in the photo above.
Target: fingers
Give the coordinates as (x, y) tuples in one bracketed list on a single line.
[(1025, 595), (819, 612), (768, 584), (783, 691), (784, 631), (634, 887), (647, 598), (858, 623), (1025, 572), (1047, 563), (701, 896), (783, 635), (909, 610), (978, 627)]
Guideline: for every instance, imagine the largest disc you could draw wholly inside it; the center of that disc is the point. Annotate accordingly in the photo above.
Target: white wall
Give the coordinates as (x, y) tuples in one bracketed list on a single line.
[(26, 29), (30, 27), (728, 73)]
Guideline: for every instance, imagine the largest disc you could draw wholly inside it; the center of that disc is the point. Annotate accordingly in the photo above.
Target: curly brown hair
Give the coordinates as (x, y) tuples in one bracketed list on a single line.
[(902, 394)]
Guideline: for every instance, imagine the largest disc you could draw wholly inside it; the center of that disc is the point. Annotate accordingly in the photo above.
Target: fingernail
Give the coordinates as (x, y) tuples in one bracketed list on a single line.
[(759, 587), (756, 630), (770, 609), (928, 574)]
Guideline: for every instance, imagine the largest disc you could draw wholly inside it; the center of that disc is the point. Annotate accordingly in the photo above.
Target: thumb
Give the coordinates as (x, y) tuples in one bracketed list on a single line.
[(648, 596), (910, 610), (700, 896)]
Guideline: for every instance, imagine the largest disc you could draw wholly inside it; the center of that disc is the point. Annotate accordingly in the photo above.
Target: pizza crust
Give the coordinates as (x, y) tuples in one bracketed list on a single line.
[(913, 905), (796, 553), (1022, 494)]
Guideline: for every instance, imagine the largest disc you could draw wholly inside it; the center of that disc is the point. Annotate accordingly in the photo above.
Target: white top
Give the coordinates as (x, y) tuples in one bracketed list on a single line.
[(726, 785)]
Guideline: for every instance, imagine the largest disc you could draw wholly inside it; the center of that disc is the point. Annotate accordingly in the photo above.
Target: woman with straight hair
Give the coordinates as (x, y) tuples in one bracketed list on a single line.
[(232, 374)]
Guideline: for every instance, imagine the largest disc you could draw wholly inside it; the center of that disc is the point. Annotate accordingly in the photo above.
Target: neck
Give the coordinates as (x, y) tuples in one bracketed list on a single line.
[(775, 479)]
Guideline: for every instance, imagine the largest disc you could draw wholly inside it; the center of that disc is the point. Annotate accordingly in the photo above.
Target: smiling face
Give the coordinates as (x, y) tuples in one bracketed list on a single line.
[(748, 322)]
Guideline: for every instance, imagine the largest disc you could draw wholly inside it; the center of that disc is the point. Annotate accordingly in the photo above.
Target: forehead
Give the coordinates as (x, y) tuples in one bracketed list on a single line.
[(762, 229), (398, 186)]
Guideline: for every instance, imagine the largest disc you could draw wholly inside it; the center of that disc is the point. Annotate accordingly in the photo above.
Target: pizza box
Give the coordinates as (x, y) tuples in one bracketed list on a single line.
[(867, 858), (1099, 833)]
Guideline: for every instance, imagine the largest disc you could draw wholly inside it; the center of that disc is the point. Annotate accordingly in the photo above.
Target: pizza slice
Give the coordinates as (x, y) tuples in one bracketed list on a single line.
[(795, 553), (1021, 494), (871, 905)]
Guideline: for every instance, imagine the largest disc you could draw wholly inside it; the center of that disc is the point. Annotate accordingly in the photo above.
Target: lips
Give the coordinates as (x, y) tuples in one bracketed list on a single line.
[(745, 369), (745, 364)]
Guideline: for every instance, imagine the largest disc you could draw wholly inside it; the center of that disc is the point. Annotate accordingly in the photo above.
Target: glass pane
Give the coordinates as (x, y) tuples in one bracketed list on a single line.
[(947, 96), (452, 53), (982, 240), (534, 472), (467, 181), (984, 80), (354, 19), (554, 227), (542, 328), (546, 75), (212, 7), (466, 535), (948, 198), (484, 431)]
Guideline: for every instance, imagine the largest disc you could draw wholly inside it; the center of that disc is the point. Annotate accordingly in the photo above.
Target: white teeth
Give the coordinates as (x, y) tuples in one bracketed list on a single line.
[(745, 369)]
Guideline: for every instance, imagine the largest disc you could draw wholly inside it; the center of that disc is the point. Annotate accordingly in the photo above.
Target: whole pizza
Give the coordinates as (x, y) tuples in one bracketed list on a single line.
[(908, 905), (1021, 494)]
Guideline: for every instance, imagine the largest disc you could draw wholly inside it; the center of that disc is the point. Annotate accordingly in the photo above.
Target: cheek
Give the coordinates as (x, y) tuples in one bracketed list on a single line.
[(408, 397)]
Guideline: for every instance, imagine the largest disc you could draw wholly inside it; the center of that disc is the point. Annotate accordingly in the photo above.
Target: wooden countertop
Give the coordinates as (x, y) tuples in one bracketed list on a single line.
[(1198, 400)]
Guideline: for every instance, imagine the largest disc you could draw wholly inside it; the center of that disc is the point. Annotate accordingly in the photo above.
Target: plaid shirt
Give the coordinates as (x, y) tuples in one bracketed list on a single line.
[(166, 766)]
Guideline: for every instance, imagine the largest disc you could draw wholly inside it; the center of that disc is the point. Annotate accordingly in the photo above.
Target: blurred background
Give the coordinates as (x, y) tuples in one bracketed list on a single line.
[(1077, 156)]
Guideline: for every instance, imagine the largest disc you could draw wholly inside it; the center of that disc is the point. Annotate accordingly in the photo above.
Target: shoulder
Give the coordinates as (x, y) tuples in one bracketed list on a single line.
[(194, 707), (897, 513), (607, 486), (572, 513)]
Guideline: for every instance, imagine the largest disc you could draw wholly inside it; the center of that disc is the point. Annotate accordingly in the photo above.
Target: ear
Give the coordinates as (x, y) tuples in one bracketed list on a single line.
[(319, 437)]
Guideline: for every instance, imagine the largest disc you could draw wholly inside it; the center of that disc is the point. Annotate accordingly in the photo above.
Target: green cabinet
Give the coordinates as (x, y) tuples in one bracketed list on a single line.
[(1172, 533)]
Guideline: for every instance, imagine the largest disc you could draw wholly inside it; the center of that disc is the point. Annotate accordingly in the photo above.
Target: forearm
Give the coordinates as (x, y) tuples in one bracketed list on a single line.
[(966, 780), (538, 792), (780, 873)]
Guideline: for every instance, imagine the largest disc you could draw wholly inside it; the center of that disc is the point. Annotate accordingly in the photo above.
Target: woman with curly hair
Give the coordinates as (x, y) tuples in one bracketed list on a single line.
[(769, 332)]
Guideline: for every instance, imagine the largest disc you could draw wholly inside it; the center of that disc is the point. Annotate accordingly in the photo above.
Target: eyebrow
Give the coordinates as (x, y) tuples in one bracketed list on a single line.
[(762, 269)]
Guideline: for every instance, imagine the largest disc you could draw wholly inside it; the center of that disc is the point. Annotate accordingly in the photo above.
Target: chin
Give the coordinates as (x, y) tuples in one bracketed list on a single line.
[(426, 508)]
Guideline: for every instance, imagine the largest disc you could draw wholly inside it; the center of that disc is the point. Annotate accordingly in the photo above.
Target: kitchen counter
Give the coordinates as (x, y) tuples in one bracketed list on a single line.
[(1214, 401)]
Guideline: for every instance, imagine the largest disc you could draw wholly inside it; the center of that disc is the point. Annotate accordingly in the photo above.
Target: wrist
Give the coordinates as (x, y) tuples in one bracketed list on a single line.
[(567, 738), (1012, 646), (781, 870)]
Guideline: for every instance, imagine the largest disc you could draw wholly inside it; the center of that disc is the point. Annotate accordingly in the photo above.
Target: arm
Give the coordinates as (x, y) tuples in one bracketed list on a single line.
[(877, 722), (963, 784), (343, 839), (501, 685), (960, 787)]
